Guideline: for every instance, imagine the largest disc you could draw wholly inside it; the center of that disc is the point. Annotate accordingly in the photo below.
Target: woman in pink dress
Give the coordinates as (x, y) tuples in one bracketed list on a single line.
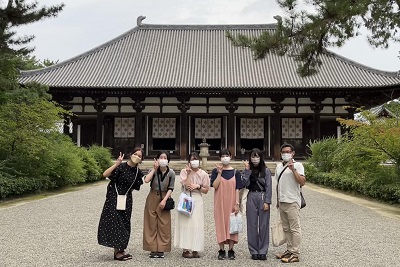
[(227, 183)]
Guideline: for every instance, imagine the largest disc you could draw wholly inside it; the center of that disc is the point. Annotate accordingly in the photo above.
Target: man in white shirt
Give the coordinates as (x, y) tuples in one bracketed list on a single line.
[(290, 177)]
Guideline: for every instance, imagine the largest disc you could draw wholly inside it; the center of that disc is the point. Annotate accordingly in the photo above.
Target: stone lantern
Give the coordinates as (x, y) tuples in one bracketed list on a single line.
[(204, 154)]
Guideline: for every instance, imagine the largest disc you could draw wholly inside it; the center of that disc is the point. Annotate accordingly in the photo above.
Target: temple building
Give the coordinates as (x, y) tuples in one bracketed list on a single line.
[(167, 87)]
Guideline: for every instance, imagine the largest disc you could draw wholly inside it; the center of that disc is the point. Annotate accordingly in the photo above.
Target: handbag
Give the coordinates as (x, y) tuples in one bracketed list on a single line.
[(170, 203), (235, 223), (303, 201), (185, 204), (277, 234)]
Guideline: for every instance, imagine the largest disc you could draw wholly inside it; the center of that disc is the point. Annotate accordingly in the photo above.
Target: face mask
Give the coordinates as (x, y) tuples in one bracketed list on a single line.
[(225, 160), (135, 159), (286, 157), (255, 160), (195, 163), (163, 162)]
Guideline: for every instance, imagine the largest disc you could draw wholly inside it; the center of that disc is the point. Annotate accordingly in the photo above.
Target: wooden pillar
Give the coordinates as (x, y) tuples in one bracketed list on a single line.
[(317, 107), (99, 107), (276, 125), (231, 125), (184, 127), (317, 126), (139, 127)]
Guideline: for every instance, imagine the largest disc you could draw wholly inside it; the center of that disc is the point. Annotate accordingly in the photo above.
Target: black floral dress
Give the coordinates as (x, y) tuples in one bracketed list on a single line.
[(115, 225)]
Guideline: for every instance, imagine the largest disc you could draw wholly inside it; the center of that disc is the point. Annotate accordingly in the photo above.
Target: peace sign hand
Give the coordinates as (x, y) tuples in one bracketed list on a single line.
[(156, 164), (188, 168), (219, 167), (246, 164), (120, 158)]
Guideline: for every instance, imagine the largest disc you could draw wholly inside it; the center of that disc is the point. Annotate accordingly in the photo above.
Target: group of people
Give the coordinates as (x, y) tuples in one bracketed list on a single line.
[(114, 227)]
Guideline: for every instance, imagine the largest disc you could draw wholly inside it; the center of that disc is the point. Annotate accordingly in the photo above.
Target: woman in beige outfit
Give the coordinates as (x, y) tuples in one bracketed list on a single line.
[(189, 231)]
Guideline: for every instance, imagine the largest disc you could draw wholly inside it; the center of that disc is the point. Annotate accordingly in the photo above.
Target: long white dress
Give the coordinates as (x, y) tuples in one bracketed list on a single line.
[(189, 231)]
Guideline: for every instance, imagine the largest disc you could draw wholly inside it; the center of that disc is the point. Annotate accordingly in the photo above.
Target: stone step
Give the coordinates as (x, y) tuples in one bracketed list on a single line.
[(178, 165)]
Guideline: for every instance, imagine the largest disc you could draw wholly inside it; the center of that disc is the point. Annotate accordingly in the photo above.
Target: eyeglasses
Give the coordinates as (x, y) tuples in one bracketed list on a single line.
[(283, 152)]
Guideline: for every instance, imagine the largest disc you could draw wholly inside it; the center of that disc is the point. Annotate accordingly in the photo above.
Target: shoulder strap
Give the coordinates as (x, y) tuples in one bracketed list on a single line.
[(277, 185), (159, 186), (137, 170)]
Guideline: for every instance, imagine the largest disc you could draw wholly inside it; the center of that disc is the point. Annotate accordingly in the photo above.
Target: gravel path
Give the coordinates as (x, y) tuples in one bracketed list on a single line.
[(62, 231)]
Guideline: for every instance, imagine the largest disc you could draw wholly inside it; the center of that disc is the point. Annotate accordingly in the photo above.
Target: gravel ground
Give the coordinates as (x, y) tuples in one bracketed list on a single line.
[(62, 231)]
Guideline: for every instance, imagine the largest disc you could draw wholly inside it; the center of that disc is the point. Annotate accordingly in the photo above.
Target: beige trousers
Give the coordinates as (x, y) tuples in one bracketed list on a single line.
[(290, 217), (156, 225)]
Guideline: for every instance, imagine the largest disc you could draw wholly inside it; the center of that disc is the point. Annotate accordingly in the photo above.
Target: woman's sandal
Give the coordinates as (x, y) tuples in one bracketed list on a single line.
[(292, 258), (122, 257)]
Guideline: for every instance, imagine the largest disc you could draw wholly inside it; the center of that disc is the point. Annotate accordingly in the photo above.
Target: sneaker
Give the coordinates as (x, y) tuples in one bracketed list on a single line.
[(285, 254), (262, 257), (153, 255), (292, 258), (221, 254), (160, 255), (231, 254), (195, 254)]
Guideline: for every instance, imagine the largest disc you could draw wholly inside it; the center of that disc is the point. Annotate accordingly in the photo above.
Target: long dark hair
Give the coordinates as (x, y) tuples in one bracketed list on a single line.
[(261, 165)]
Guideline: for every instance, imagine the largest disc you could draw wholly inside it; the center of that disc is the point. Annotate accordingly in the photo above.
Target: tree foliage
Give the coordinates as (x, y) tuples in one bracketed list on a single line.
[(311, 26), (15, 13)]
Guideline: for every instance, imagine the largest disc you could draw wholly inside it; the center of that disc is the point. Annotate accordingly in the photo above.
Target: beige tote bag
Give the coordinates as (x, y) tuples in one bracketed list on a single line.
[(277, 234)]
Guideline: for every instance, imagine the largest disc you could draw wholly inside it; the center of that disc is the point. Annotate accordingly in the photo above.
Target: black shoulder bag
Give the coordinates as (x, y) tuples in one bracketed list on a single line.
[(170, 203)]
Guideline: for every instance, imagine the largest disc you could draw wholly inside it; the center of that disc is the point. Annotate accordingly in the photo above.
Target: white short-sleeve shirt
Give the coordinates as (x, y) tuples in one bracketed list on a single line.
[(288, 187)]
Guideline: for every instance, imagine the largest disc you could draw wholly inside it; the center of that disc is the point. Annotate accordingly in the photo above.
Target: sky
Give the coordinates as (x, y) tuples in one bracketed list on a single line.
[(86, 24)]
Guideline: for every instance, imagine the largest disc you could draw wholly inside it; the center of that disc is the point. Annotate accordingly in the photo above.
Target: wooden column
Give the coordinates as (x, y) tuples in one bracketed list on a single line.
[(139, 127), (276, 125), (99, 107), (232, 107), (184, 127), (317, 107)]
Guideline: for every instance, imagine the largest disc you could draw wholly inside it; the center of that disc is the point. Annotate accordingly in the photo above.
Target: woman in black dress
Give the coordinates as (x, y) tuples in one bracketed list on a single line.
[(115, 221)]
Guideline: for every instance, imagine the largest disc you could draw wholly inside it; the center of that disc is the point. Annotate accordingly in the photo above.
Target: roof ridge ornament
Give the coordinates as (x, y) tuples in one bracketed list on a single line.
[(139, 20)]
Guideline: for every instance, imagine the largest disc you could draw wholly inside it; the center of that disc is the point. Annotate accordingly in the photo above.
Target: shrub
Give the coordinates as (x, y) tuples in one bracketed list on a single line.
[(102, 156), (92, 169)]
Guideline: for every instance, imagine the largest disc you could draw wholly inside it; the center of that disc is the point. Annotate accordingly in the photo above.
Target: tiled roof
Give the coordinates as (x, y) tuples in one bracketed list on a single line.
[(198, 56)]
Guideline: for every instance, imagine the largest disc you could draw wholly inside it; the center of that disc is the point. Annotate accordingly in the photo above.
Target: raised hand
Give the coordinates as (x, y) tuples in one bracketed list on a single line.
[(120, 158), (156, 164), (188, 168), (219, 167), (246, 164)]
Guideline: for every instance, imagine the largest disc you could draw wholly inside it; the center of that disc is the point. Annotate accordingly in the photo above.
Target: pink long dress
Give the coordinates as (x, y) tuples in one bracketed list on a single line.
[(224, 205)]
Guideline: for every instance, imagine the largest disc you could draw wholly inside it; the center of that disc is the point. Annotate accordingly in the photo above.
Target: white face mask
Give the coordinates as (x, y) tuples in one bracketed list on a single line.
[(255, 160), (286, 157), (135, 159), (163, 162), (195, 163), (225, 160)]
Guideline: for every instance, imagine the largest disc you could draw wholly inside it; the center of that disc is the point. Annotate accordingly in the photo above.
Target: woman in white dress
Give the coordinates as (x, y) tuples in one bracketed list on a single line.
[(189, 231)]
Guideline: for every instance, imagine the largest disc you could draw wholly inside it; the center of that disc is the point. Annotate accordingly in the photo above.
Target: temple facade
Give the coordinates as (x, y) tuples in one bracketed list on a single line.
[(168, 87)]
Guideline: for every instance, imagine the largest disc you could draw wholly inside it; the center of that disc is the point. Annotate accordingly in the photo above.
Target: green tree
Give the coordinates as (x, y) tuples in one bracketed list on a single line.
[(311, 26), (21, 12), (377, 134)]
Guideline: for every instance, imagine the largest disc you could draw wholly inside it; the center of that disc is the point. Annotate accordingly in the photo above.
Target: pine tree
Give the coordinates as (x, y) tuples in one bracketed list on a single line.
[(311, 26), (16, 13)]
